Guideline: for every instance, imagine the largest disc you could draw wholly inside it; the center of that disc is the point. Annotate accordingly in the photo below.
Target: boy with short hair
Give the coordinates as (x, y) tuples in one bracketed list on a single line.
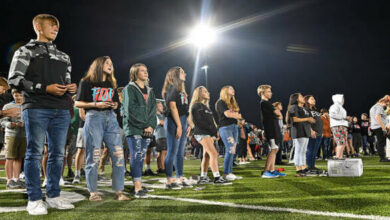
[(15, 142)]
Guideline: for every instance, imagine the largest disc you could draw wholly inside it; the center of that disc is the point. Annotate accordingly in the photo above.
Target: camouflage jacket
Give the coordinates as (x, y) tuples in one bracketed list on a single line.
[(35, 66)]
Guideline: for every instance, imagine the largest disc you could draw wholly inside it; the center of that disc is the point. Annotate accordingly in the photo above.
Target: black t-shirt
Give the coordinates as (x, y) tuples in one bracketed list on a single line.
[(143, 90), (364, 124), (203, 120), (269, 120), (299, 129), (99, 92), (181, 99), (356, 128), (220, 108)]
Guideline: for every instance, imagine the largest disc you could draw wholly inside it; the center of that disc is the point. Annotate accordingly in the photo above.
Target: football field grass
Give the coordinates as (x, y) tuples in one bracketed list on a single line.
[(244, 199)]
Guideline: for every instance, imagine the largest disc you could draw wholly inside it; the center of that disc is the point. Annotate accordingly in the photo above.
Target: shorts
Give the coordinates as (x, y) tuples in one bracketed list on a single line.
[(152, 142), (349, 136), (161, 144), (199, 137), (340, 135), (15, 147), (80, 139), (71, 145)]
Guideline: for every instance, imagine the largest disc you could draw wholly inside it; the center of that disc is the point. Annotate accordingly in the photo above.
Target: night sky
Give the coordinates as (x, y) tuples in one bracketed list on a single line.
[(319, 48)]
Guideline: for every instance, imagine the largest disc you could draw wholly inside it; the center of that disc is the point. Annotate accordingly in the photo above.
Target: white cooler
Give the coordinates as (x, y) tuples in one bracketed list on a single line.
[(347, 167)]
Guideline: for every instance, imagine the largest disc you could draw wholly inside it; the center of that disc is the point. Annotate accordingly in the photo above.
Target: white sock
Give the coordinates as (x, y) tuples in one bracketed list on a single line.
[(78, 172), (9, 180), (15, 179), (216, 174), (203, 174), (148, 166)]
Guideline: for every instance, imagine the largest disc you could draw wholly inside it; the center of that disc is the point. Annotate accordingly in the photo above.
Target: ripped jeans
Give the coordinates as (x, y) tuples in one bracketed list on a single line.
[(137, 148), (229, 136), (103, 126)]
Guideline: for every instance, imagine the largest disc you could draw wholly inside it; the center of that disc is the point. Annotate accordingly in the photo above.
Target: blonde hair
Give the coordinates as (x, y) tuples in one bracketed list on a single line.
[(196, 98), (41, 17), (275, 104), (173, 79), (261, 89), (229, 100), (385, 99), (134, 71), (95, 72)]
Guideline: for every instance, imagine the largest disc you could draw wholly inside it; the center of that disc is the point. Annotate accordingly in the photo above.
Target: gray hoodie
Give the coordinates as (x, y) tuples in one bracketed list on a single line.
[(337, 114)]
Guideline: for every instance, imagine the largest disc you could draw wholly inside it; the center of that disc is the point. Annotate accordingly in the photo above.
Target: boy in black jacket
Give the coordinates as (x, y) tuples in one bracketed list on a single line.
[(42, 72)]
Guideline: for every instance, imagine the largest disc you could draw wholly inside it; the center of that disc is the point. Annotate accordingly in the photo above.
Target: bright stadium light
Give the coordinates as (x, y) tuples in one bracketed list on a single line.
[(202, 36)]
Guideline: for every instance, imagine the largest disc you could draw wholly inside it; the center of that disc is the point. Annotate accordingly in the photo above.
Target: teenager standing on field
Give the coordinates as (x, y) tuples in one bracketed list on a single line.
[(98, 96), (175, 125), (205, 131), (228, 113), (270, 120), (42, 72), (139, 121)]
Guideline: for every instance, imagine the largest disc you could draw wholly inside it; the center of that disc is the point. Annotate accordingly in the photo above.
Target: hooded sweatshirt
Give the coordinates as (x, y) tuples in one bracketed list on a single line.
[(139, 110), (337, 113), (35, 66)]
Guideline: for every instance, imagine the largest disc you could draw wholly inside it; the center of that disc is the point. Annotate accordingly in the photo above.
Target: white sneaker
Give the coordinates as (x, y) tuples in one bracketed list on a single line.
[(62, 182), (36, 207), (44, 183), (230, 177), (236, 177), (59, 203), (21, 175)]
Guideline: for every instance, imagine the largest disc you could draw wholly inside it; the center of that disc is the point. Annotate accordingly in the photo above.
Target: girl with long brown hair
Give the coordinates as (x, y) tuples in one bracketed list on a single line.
[(98, 96), (175, 125)]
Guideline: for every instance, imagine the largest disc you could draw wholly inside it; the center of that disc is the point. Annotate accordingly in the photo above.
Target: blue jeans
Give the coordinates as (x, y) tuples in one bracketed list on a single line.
[(229, 136), (325, 147), (41, 123), (175, 151), (137, 148), (103, 126), (312, 150), (365, 143)]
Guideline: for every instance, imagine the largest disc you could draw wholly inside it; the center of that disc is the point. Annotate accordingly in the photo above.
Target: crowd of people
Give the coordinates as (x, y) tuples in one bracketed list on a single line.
[(49, 120)]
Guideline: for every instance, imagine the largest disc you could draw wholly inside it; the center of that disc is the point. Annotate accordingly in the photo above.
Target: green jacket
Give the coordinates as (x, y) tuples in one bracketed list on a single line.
[(138, 114)]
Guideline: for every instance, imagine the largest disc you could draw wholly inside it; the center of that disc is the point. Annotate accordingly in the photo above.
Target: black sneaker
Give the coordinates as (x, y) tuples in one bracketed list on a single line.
[(146, 190), (140, 194), (173, 186), (12, 185), (203, 180), (160, 171), (221, 181), (149, 172), (21, 184), (70, 174)]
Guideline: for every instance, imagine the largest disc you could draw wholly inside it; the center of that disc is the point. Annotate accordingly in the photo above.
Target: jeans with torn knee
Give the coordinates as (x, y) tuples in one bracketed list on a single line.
[(103, 126)]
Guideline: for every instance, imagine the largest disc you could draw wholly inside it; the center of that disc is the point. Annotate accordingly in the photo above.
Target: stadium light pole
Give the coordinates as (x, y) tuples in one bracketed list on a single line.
[(205, 67)]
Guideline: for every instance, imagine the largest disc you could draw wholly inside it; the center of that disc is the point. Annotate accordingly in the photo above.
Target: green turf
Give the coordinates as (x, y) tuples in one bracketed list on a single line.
[(368, 195)]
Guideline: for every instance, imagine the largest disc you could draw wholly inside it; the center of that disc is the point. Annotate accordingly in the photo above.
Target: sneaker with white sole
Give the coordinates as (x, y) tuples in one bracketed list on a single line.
[(76, 180), (44, 183), (59, 203), (230, 177), (62, 182), (236, 177), (36, 207)]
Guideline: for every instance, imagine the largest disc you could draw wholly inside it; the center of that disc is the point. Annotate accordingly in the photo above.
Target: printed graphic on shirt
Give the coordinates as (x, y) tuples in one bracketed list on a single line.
[(183, 98), (365, 124), (146, 96), (102, 94)]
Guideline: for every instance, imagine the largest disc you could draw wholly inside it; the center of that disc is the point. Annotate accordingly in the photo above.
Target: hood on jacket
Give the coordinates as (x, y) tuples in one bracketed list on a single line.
[(338, 99)]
